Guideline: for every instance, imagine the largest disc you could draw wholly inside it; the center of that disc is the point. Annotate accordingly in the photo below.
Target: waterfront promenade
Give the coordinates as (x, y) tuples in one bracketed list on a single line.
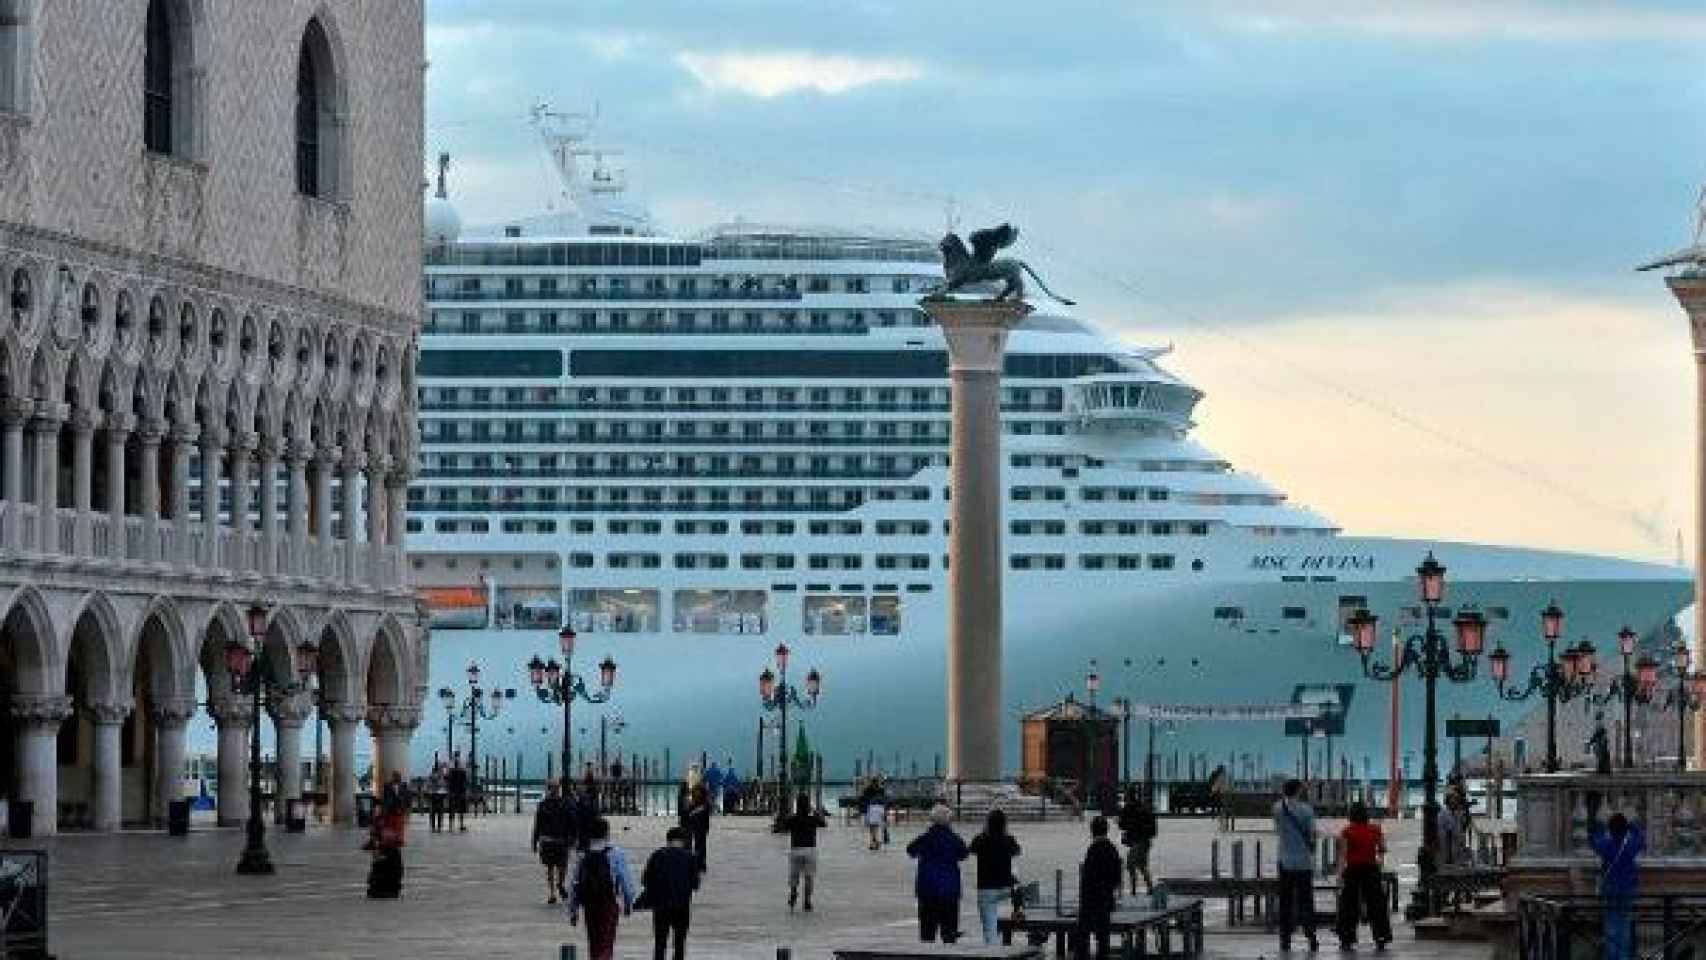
[(481, 894)]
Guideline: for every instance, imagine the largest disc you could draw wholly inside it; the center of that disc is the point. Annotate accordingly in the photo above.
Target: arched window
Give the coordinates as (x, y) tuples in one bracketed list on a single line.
[(317, 101), (157, 80), (16, 44)]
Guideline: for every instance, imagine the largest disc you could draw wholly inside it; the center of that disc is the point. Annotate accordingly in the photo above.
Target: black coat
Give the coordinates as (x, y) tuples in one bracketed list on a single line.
[(554, 820), (670, 877), (1099, 878)]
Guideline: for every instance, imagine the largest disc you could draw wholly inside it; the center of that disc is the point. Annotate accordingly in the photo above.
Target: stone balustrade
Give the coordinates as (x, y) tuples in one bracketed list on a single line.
[(1557, 813)]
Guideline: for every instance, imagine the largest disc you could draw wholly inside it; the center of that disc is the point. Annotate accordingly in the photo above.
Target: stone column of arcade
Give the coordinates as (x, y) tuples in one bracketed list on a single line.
[(976, 332), (393, 727), (171, 719), (343, 719), (108, 717), (37, 719), (288, 715), (1689, 288), (233, 718)]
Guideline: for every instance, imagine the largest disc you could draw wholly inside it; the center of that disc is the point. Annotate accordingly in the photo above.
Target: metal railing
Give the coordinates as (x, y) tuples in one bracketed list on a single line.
[(1572, 927)]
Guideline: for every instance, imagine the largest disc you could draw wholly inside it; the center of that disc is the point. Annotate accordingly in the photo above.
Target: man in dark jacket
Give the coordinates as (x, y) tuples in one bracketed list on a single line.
[(1098, 884), (456, 784), (553, 836), (1137, 832), (938, 851), (666, 887)]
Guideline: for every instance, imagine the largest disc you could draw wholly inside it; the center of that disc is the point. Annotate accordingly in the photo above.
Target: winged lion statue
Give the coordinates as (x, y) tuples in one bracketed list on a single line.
[(962, 267)]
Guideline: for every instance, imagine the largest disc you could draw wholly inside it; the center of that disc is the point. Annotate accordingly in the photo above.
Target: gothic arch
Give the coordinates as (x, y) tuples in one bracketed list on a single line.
[(27, 635), (324, 168), (159, 664), (96, 637), (387, 674), (340, 659)]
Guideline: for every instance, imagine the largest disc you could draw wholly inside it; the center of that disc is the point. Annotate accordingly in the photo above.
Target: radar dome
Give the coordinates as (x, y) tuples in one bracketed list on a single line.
[(443, 224)]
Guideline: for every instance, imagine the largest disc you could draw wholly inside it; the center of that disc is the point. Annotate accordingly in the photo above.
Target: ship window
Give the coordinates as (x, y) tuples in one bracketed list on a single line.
[(1160, 561), (1294, 613), (1228, 613)]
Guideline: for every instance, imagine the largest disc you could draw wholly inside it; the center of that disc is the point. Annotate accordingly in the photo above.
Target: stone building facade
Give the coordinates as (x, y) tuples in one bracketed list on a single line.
[(209, 292)]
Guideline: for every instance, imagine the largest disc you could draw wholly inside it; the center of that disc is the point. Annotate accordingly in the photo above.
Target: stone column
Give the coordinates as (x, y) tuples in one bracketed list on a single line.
[(353, 462), (288, 716), (377, 468), (36, 718), (396, 500), (49, 417), (296, 524), (266, 455), (324, 460), (178, 494), (241, 445), (171, 720), (212, 452), (118, 433), (976, 332), (392, 727), (233, 717), (149, 436), (1689, 288), (108, 720), (13, 416), (343, 719), (83, 424)]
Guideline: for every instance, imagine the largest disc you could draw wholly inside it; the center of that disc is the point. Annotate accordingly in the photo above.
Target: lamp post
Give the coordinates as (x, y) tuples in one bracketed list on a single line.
[(1562, 678), (1688, 694), (250, 674), (1628, 688), (473, 708), (1123, 709), (1093, 686), (774, 694), (559, 684), (1431, 658)]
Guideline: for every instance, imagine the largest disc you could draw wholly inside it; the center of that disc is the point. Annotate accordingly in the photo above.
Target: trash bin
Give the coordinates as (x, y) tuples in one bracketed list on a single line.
[(18, 816), (364, 810), (178, 818), (295, 816)]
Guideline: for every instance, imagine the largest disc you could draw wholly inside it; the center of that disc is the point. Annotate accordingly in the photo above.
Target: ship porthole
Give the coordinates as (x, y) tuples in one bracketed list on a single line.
[(1197, 565)]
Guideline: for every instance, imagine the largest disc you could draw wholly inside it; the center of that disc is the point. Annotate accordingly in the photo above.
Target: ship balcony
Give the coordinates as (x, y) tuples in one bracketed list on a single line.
[(1116, 402)]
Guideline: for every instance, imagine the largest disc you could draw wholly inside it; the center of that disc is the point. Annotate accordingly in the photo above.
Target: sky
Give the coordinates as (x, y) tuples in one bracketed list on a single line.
[(1391, 241)]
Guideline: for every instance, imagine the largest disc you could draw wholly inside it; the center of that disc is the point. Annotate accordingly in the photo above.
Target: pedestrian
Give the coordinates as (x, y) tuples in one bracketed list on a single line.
[(697, 820), (1099, 883), (938, 851), (802, 827), (1294, 824), (385, 873), (456, 786), (731, 789), (994, 849), (602, 887), (1137, 832), (873, 803), (714, 784), (553, 834), (666, 889), (589, 783), (1618, 844), (1220, 790), (436, 798), (1361, 893)]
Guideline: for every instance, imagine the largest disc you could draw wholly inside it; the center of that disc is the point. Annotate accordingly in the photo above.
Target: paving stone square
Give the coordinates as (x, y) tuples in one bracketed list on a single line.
[(481, 893)]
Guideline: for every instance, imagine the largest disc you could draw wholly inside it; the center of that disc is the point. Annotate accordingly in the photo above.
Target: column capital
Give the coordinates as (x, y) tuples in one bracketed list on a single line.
[(232, 713), (326, 456), (49, 414), (298, 454), (269, 448), (85, 419), (397, 479), (393, 717), (151, 431), (344, 713), (354, 459), (173, 713), (16, 411), (118, 422), (290, 711), (378, 465), (40, 710), (976, 330), (242, 442), (212, 437), (108, 713), (183, 434), (1690, 292)]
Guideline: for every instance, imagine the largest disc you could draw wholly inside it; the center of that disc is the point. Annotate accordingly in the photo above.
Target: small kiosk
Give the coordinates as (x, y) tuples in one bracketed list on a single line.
[(1074, 741)]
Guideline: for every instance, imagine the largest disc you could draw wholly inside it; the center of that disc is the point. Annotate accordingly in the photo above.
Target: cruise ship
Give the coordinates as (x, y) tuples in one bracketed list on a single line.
[(692, 449)]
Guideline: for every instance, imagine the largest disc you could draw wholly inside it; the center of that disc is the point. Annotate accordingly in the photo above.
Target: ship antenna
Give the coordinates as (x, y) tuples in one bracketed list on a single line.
[(443, 168)]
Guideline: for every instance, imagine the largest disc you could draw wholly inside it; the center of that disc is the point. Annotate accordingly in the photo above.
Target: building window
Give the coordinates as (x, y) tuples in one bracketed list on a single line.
[(15, 50), (318, 157), (157, 80)]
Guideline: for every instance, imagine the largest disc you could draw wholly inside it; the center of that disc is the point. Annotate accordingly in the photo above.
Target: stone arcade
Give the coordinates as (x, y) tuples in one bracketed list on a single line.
[(209, 264)]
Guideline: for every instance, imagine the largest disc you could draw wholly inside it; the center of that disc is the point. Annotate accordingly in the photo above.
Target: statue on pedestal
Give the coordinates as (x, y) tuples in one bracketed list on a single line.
[(962, 267)]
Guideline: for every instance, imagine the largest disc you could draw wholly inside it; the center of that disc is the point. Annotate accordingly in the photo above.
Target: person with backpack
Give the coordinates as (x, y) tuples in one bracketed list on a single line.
[(1099, 884), (1618, 844), (1294, 824), (602, 887), (938, 851), (553, 836), (666, 889), (1137, 832), (1360, 890), (994, 849), (802, 827)]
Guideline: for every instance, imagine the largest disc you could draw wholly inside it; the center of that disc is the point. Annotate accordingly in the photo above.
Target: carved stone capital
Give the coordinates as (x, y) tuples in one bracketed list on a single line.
[(232, 713), (298, 454), (212, 439), (108, 713), (183, 435), (354, 459), (16, 411), (150, 432), (290, 711), (242, 442), (85, 420), (344, 713), (269, 448), (976, 330), (119, 422), (173, 714), (49, 415), (325, 458), (378, 465), (383, 717), (40, 710)]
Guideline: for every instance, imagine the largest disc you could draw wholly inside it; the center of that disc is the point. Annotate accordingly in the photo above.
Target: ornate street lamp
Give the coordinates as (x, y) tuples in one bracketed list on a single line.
[(777, 694), (1431, 657), (1562, 678), (557, 683), (251, 676), (1689, 694), (1628, 688), (479, 704)]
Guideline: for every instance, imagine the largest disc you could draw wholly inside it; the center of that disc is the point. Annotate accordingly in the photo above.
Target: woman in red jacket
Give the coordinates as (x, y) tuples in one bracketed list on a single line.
[(1361, 892)]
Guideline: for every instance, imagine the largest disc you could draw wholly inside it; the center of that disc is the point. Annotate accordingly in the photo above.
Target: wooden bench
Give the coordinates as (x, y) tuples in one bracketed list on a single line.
[(1253, 899), (1134, 927)]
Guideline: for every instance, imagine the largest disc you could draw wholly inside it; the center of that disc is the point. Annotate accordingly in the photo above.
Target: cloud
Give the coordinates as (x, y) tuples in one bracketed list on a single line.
[(1594, 21), (776, 74)]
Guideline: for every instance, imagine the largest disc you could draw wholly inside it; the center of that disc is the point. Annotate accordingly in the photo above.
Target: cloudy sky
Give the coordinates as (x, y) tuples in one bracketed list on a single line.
[(1392, 240)]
